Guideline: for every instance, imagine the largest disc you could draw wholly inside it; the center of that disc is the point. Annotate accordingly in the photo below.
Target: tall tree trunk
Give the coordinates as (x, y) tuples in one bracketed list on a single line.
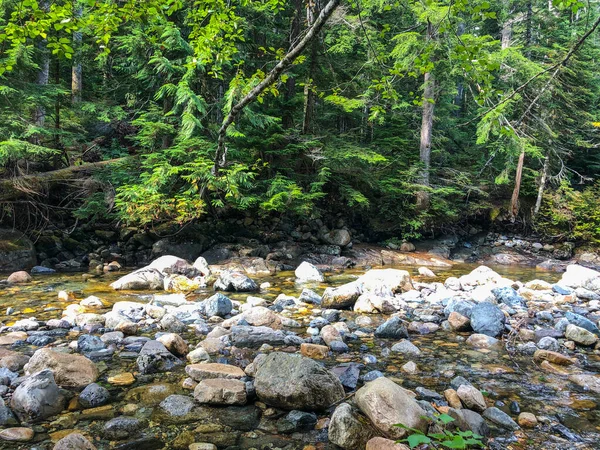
[(76, 70), (542, 187), (272, 76), (514, 201), (57, 143), (426, 130), (43, 76), (309, 95), (287, 118)]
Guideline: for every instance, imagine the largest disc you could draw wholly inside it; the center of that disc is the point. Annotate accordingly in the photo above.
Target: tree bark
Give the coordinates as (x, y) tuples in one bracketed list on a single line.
[(77, 70), (542, 187), (514, 201), (287, 118), (43, 76), (272, 76), (426, 130), (312, 10)]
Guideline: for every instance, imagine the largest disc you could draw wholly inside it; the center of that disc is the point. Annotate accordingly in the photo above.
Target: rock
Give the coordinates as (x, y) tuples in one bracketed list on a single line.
[(122, 427), (586, 381), (202, 446), (458, 322), (379, 443), (290, 381), (235, 281), (217, 305), (256, 316), (197, 355), (578, 276), (407, 247), (487, 319), (155, 358), (37, 397), (580, 335), (306, 272), (221, 391), (471, 397), (527, 420), (410, 368), (177, 409), (393, 328), (199, 372), (330, 334), (348, 430), (580, 321), (538, 285), (87, 343), (341, 297), (406, 347), (18, 434), (548, 343), (142, 279), (509, 296), (553, 357), (369, 303), (426, 272), (172, 265), (174, 343), (482, 341), (19, 277), (309, 296), (93, 396), (6, 415), (73, 371), (122, 379), (74, 441), (387, 404), (171, 323), (453, 398), (348, 374), (386, 282), (339, 237), (181, 283), (314, 351), (297, 421), (254, 337), (500, 418), (470, 420), (16, 251)]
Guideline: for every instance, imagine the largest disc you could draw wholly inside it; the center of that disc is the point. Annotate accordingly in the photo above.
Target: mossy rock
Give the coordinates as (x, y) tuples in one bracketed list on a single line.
[(16, 251)]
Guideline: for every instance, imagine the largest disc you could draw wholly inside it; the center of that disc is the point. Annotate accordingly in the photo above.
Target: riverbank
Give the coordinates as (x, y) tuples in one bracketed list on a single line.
[(302, 360)]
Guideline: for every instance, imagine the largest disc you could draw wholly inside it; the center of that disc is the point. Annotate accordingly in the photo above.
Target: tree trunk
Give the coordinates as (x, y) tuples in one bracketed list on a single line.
[(77, 71), (287, 118), (309, 95), (542, 187), (272, 76), (514, 202), (426, 130), (39, 114)]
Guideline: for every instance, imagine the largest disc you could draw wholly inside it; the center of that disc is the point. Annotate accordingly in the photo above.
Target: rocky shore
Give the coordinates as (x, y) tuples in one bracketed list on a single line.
[(171, 364)]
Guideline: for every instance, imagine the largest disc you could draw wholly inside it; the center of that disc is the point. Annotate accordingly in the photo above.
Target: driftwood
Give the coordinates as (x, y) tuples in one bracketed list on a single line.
[(35, 184)]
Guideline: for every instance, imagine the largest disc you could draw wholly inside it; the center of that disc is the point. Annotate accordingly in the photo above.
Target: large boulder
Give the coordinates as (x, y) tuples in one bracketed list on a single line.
[(343, 296), (307, 272), (253, 337), (387, 404), (16, 251), (257, 316), (235, 281), (173, 265), (290, 381), (487, 319), (37, 398), (348, 429), (146, 278), (578, 276), (386, 282), (339, 237), (70, 370)]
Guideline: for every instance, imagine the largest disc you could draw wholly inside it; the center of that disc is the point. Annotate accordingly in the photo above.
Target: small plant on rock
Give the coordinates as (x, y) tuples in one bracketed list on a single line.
[(443, 438)]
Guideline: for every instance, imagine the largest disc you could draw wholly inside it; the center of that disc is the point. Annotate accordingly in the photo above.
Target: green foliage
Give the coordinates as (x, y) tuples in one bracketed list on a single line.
[(445, 438)]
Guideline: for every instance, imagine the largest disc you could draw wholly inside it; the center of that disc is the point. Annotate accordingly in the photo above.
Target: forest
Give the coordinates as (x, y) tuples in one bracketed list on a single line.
[(408, 118)]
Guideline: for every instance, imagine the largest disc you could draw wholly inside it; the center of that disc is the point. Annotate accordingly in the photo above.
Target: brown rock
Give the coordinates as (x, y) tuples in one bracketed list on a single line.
[(11, 338), (174, 343), (200, 372), (379, 443), (19, 277), (314, 351), (458, 322), (471, 397), (453, 398), (221, 391), (69, 370), (74, 441), (554, 368), (122, 379), (527, 420), (17, 434), (553, 357)]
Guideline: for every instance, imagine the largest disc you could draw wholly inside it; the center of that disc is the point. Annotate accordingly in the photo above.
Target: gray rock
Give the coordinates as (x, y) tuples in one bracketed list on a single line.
[(89, 343), (74, 441), (155, 358), (343, 296), (406, 347), (348, 374), (6, 415), (509, 296), (306, 272), (500, 418), (37, 397), (296, 421), (254, 337), (348, 429), (548, 343), (582, 322), (122, 427), (487, 319), (177, 408), (394, 328), (142, 279), (172, 324), (463, 307), (310, 296), (218, 305), (291, 381), (235, 281), (94, 395)]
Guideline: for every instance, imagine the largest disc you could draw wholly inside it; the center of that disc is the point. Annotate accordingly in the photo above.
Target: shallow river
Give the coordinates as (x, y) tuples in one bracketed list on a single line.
[(502, 377)]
